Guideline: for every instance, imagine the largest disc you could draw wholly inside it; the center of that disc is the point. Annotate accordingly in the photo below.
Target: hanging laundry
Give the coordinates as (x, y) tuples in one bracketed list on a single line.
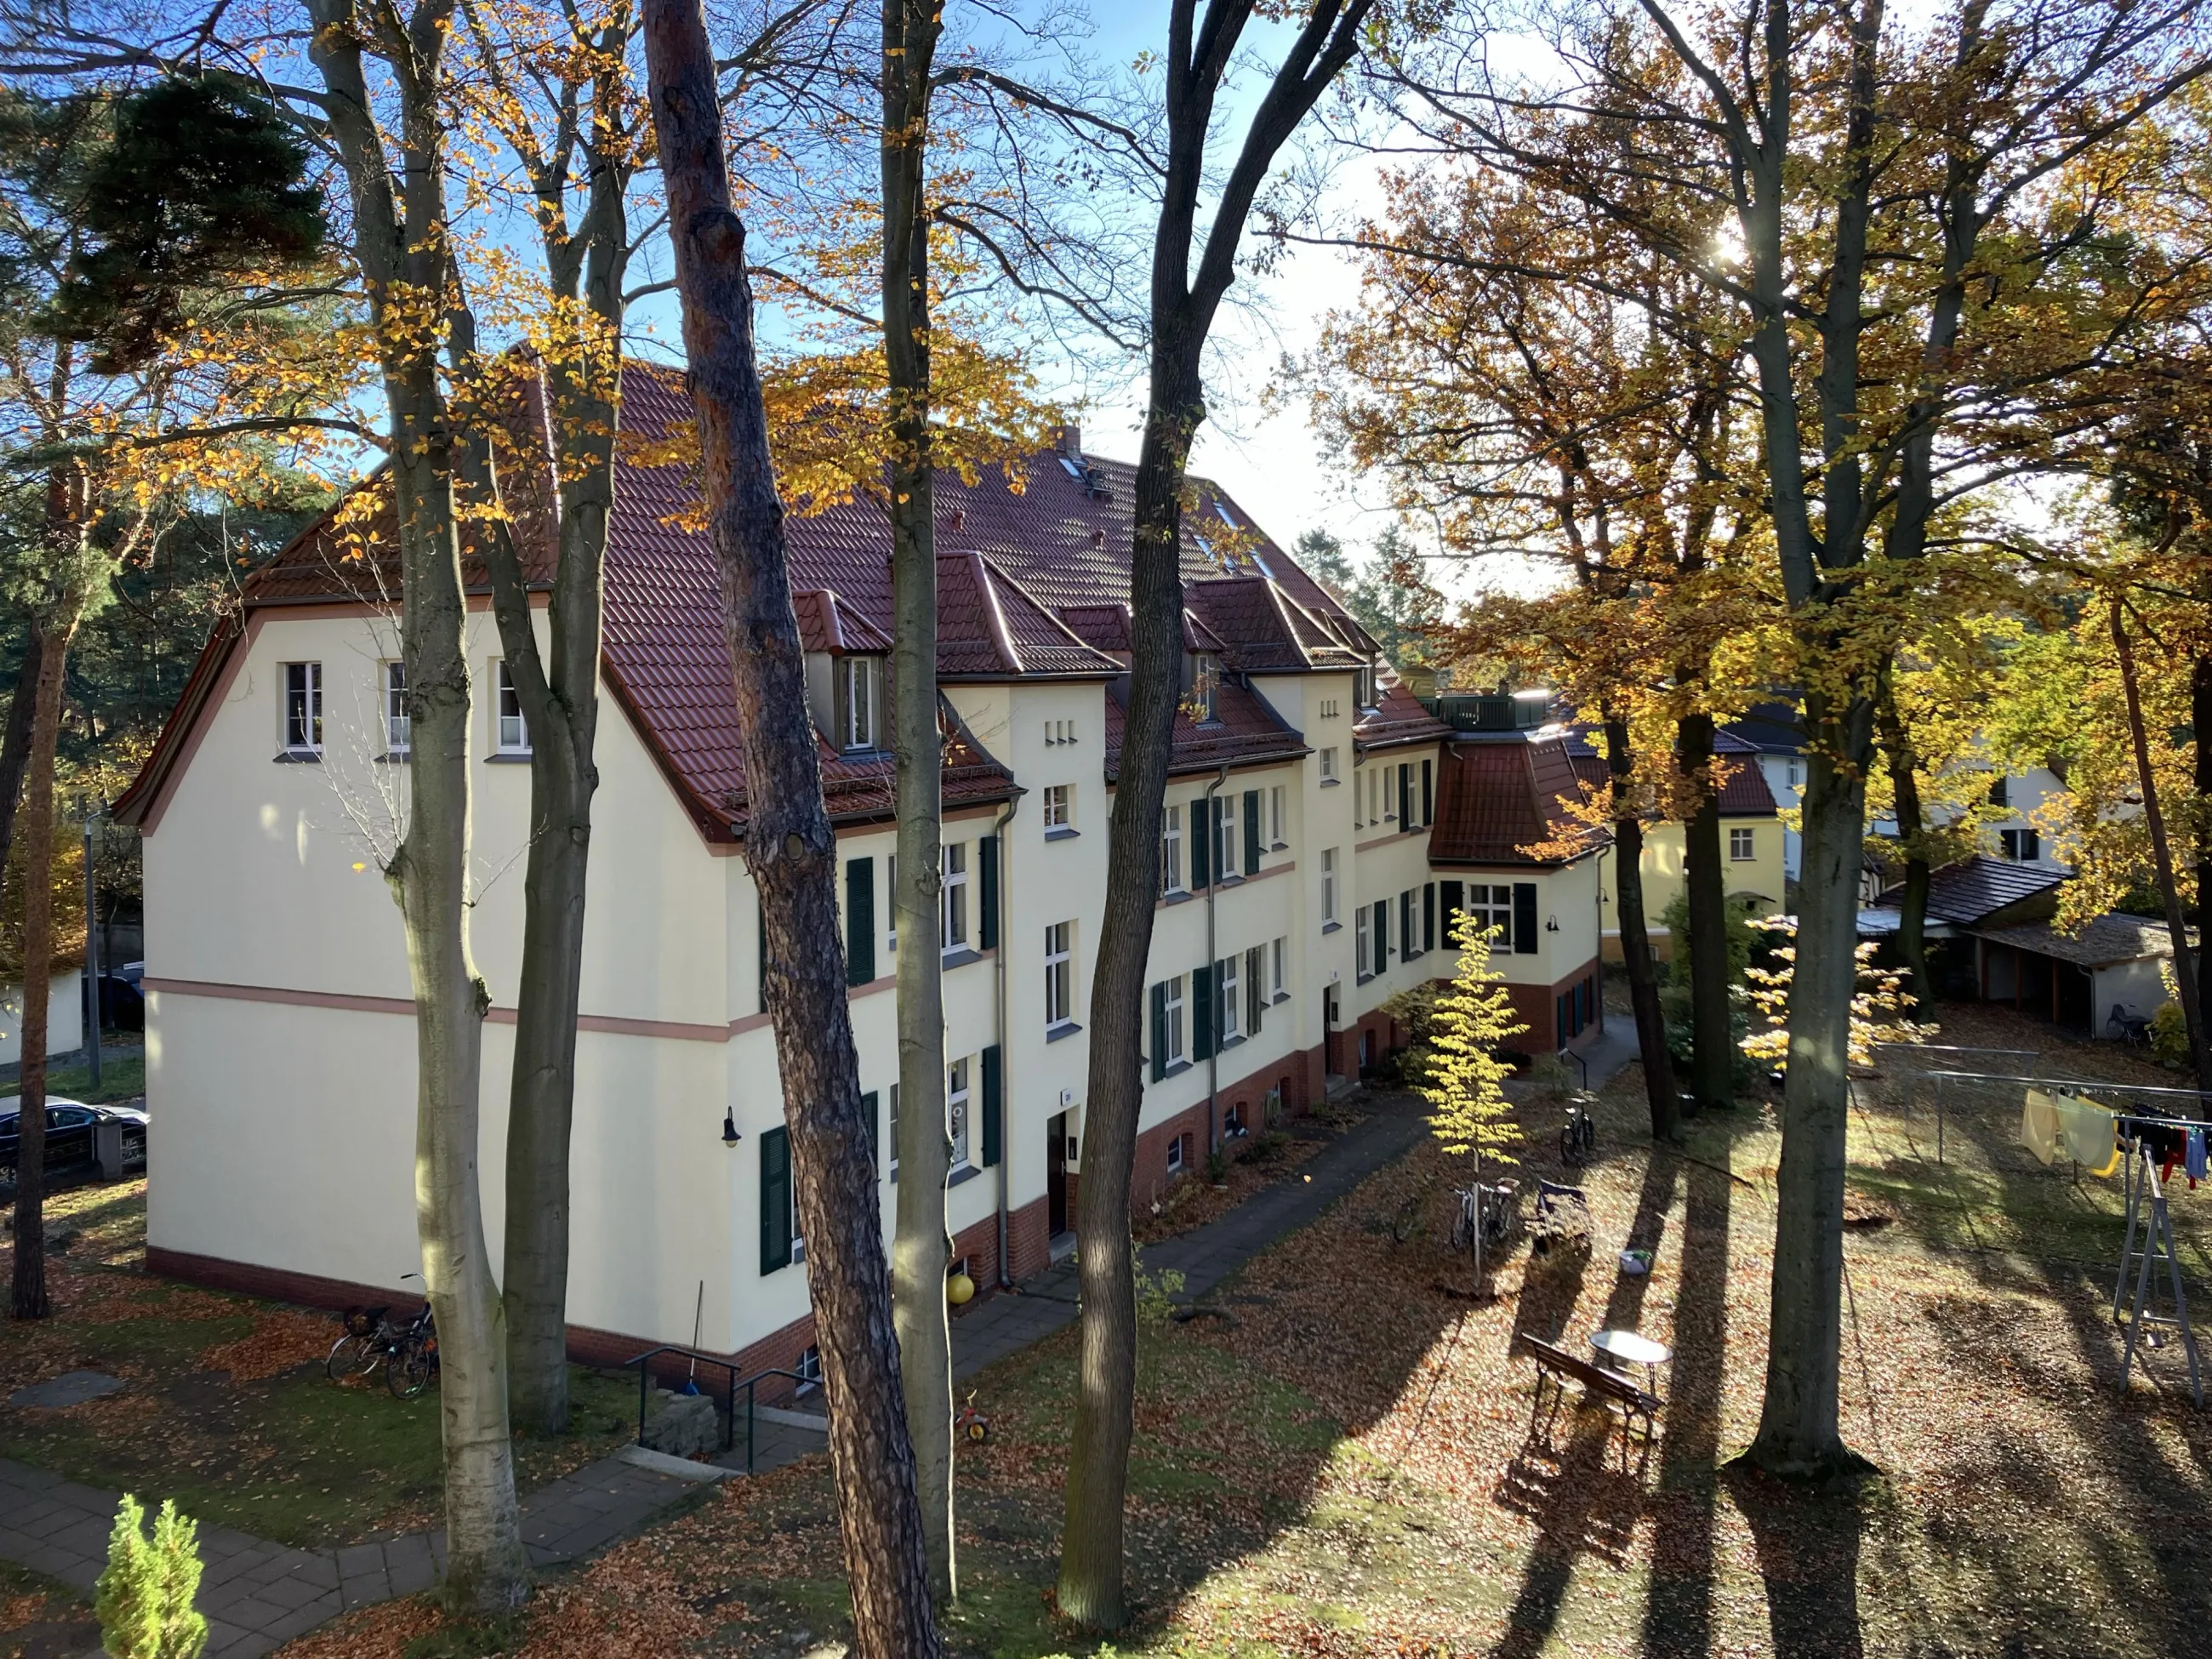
[(2087, 1130), (2193, 1159), (2039, 1125)]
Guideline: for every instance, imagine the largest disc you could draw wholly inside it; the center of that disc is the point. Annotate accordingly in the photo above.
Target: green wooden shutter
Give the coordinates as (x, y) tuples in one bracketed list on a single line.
[(1255, 999), (869, 1105), (1202, 984), (993, 1111), (760, 935), (1451, 898), (1524, 918), (775, 1200), (986, 862), (1405, 797), (1382, 934), (1202, 832), (1159, 1031), (1429, 916), (1428, 793), (860, 921), (1251, 832)]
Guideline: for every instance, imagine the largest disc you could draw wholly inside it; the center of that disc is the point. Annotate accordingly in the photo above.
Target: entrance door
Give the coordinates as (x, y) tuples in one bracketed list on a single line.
[(1055, 1175)]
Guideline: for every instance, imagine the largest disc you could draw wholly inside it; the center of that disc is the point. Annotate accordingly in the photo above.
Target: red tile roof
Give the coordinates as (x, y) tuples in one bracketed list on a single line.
[(1498, 796), (1744, 793), (1033, 580)]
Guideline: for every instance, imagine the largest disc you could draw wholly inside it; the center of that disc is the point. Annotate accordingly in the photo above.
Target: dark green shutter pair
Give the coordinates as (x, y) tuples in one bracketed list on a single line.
[(775, 1199), (994, 1109), (1428, 793), (1405, 797), (1524, 918), (1203, 830), (1382, 934), (860, 921), (1252, 849), (1405, 934), (1255, 998)]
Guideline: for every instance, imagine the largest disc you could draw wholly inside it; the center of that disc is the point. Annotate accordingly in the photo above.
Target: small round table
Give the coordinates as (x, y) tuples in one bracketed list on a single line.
[(1633, 1348)]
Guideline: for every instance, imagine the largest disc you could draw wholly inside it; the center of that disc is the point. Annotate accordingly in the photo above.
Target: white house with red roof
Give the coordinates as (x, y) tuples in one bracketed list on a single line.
[(1303, 888)]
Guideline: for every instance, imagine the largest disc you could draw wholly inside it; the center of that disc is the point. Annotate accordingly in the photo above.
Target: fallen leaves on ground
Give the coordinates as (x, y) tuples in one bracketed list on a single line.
[(279, 1341)]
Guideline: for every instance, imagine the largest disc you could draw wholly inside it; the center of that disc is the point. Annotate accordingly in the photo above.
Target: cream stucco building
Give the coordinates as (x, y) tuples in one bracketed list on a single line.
[(1303, 889)]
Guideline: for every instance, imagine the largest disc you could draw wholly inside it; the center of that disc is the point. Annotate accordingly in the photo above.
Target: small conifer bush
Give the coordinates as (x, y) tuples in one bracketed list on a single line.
[(144, 1599)]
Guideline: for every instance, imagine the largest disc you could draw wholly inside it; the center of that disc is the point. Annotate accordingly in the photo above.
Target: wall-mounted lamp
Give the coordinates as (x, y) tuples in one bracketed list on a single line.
[(730, 1135), (1551, 924)]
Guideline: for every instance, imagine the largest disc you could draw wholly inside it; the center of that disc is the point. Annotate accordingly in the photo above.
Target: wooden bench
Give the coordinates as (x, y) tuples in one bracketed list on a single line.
[(1557, 1365)]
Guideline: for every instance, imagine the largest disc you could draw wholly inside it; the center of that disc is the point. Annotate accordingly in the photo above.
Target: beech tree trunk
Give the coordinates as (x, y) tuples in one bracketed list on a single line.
[(2169, 891), (921, 1245), (29, 1299), (400, 226), (1712, 1062), (1636, 938), (2200, 710), (793, 855), (1911, 827)]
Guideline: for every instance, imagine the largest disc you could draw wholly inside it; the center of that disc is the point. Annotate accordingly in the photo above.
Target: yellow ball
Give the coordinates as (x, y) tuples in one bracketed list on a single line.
[(959, 1290)]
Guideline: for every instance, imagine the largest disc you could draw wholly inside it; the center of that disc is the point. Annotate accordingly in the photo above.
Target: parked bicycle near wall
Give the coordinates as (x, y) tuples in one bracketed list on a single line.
[(1578, 1140), (407, 1354), (1490, 1212)]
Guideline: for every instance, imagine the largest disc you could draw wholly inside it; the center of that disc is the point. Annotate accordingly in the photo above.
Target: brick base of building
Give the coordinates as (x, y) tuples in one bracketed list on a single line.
[(1239, 1111)]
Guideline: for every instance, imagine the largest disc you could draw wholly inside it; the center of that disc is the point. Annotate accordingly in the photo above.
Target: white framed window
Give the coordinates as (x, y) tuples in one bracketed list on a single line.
[(397, 726), (1276, 954), (1171, 850), (1276, 818), (1796, 773), (1058, 814), (956, 1110), (1226, 844), (511, 736), (1362, 687), (1205, 683), (956, 896), (857, 681), (1174, 1156), (2022, 846), (1328, 885), (1492, 907), (1327, 765), (1743, 844), (1060, 974), (1360, 927), (1225, 998), (808, 1370), (1172, 1002), (303, 708)]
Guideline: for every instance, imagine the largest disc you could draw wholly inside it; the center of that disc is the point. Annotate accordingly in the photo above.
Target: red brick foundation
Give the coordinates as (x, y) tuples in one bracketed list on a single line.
[(1302, 1077), (1029, 1249)]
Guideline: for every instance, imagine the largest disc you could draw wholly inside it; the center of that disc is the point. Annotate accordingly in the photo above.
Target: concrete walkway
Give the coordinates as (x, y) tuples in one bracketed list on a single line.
[(259, 1595), (1205, 1255)]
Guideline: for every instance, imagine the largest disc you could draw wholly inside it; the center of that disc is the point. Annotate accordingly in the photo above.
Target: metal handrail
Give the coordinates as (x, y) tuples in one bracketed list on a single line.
[(733, 1383)]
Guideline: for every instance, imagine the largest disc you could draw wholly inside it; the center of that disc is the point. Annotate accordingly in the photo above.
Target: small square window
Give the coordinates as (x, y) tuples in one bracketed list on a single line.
[(1327, 765), (808, 1369)]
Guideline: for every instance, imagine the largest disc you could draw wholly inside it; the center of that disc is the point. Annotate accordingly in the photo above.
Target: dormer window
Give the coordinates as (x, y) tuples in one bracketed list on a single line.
[(1205, 681), (858, 696), (1363, 687)]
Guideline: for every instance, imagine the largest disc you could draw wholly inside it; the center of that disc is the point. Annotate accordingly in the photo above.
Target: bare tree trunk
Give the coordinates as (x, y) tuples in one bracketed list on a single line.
[(401, 229), (1712, 1061), (793, 857), (1798, 1432), (922, 1246), (29, 1299), (1635, 937), (2169, 892), (2200, 710), (1912, 829), (15, 744)]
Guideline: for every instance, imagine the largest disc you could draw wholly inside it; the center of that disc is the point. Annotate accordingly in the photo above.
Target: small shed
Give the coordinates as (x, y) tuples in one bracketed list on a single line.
[(1964, 896), (2095, 980)]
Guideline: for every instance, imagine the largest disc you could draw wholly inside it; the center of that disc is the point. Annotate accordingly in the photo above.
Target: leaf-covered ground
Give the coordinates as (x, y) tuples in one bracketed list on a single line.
[(228, 1410), (1345, 1463)]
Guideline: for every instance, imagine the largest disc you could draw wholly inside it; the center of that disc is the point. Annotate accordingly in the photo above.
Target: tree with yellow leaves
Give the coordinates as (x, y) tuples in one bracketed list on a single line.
[(1461, 1066)]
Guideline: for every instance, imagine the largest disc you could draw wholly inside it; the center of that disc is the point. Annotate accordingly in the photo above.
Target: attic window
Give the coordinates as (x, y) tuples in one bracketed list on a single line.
[(1227, 517), (1363, 687), (858, 682), (1074, 468), (1205, 681)]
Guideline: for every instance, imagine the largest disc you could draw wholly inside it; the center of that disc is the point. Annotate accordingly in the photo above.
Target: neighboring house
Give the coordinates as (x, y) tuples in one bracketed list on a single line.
[(1974, 894), (1300, 890), (1772, 734), (1517, 856), (1751, 841)]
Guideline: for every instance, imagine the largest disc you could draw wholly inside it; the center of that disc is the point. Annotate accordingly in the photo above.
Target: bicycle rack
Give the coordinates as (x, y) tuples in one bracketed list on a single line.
[(732, 1383)]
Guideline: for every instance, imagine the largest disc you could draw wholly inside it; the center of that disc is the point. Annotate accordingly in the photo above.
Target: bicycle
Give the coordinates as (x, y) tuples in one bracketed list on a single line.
[(1578, 1140), (971, 1425), (370, 1340), (1489, 1212), (414, 1362)]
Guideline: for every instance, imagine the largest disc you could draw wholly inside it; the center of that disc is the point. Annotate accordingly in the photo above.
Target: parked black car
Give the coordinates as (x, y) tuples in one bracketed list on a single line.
[(69, 1131), (122, 1004)]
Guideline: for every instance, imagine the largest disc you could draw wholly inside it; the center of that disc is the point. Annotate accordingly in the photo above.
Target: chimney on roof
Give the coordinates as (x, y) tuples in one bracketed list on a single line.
[(1071, 442)]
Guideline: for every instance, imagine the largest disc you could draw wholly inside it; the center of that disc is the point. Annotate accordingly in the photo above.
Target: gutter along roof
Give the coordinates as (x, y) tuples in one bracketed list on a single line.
[(1033, 583)]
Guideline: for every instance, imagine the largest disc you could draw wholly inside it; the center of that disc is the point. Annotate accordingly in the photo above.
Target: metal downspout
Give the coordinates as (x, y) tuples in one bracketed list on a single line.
[(1213, 887), (1615, 851), (1005, 1089)]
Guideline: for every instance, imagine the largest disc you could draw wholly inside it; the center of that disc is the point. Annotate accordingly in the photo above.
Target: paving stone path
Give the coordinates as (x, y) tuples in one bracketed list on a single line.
[(259, 1595)]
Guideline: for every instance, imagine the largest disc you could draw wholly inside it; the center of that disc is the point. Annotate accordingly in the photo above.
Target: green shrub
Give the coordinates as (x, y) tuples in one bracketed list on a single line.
[(2169, 1035), (144, 1598)]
